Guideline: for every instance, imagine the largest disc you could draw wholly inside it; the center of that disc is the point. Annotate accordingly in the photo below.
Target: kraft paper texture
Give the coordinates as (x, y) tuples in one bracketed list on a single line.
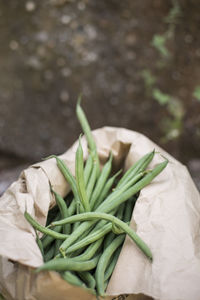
[(166, 217)]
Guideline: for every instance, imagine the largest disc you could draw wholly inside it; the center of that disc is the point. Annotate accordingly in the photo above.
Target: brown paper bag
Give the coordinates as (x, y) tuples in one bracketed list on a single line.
[(166, 217)]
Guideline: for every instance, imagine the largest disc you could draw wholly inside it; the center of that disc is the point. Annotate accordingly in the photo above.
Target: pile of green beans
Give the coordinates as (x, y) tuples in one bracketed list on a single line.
[(85, 231)]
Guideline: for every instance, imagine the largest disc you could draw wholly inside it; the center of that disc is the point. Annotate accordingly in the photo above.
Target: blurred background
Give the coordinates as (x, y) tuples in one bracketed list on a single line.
[(136, 63)]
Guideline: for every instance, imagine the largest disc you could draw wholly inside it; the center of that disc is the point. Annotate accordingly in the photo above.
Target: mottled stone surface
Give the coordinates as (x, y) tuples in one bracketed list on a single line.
[(8, 176), (50, 51)]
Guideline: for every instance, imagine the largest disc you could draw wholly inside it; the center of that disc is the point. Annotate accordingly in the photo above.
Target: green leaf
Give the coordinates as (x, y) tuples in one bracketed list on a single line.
[(160, 97), (196, 92), (148, 77), (158, 42), (174, 13)]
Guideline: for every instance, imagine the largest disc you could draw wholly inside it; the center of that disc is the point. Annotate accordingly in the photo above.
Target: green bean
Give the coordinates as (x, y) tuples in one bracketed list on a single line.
[(117, 230), (100, 230), (85, 233), (70, 179), (90, 184), (43, 229), (53, 212), (111, 235), (72, 207), (87, 131), (91, 181), (102, 223), (69, 264), (106, 282), (91, 238), (120, 211), (57, 247), (1, 297), (106, 189), (71, 278), (108, 239), (122, 189), (48, 239), (108, 206), (39, 242), (90, 251), (122, 225), (78, 233), (116, 193), (101, 181), (63, 211), (75, 225), (88, 169), (139, 166), (129, 209), (68, 198), (80, 178), (61, 205), (103, 262), (110, 268), (88, 279), (49, 254), (97, 226)]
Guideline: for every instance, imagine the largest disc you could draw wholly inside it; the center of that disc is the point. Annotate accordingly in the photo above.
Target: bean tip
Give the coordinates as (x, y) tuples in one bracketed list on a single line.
[(52, 190), (118, 173), (163, 156), (165, 162), (79, 140), (110, 156)]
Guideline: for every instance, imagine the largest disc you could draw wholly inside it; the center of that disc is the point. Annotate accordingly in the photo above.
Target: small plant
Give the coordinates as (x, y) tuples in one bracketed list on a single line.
[(149, 78), (172, 123), (160, 97), (196, 92), (159, 41), (174, 13)]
